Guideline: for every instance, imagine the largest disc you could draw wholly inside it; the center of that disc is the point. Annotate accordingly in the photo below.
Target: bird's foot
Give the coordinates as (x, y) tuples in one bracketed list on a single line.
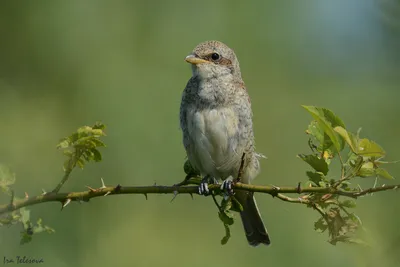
[(226, 186), (203, 187)]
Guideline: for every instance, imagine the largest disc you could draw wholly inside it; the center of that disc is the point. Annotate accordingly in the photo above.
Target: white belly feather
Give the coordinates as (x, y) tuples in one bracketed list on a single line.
[(214, 141)]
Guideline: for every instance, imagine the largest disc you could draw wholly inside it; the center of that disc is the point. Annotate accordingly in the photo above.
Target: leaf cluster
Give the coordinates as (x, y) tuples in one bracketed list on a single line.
[(21, 216), (82, 146), (329, 140)]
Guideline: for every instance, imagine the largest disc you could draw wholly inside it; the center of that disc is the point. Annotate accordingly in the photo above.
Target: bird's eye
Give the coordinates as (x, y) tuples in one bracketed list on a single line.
[(215, 56)]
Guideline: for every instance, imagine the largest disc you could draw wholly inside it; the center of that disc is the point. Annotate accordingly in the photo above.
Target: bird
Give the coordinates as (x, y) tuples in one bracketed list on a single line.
[(216, 122)]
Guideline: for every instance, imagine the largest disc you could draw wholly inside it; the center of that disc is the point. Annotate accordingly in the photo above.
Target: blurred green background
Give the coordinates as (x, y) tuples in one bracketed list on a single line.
[(64, 64)]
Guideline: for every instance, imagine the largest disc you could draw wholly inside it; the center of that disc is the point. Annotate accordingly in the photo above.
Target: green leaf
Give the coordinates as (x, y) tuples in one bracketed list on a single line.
[(357, 241), (98, 132), (316, 131), (366, 170), (348, 203), (226, 204), (7, 178), (74, 137), (25, 237), (25, 217), (88, 155), (315, 177), (64, 143), (327, 120), (98, 143), (189, 169), (350, 138), (225, 239), (39, 228), (318, 164), (368, 148), (84, 131), (80, 163), (332, 117), (320, 225), (99, 125), (68, 153), (383, 173), (225, 218), (96, 155), (236, 206)]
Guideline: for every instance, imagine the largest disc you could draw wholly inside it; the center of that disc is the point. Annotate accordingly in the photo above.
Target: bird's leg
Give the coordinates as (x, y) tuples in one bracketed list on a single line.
[(227, 183), (203, 187)]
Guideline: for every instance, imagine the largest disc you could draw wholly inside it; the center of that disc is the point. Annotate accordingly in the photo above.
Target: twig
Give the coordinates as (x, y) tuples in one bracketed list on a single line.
[(158, 189), (65, 177), (240, 172)]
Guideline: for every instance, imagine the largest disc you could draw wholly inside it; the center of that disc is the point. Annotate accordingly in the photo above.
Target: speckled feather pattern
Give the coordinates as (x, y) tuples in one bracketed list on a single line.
[(216, 121), (216, 117)]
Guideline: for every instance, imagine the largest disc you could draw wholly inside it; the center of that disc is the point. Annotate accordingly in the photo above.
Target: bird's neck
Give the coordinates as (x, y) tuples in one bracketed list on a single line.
[(216, 91)]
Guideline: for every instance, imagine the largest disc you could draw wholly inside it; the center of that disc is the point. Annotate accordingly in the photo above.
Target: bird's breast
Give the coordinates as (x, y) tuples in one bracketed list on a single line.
[(214, 135)]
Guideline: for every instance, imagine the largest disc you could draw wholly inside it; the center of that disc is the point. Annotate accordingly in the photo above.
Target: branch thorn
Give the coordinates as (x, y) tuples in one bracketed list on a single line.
[(102, 183), (67, 201), (175, 194), (299, 188), (91, 189)]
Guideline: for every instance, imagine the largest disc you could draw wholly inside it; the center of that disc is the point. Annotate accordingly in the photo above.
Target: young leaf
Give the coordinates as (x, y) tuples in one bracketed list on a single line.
[(318, 164), (366, 170), (226, 204), (189, 169), (225, 218), (348, 203), (64, 143), (96, 155), (99, 125), (327, 120), (383, 173), (98, 143), (320, 225), (350, 138), (25, 237), (368, 148), (25, 217), (81, 163), (7, 178), (225, 239), (315, 177), (316, 131), (236, 206)]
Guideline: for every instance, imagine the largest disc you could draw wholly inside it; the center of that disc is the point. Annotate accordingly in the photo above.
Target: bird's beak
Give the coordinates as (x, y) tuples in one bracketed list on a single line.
[(192, 59)]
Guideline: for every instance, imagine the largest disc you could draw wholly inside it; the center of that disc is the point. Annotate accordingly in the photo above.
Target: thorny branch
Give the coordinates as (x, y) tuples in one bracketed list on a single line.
[(278, 192)]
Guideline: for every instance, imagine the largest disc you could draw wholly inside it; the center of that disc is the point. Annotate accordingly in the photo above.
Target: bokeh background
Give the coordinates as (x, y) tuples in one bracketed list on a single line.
[(64, 64)]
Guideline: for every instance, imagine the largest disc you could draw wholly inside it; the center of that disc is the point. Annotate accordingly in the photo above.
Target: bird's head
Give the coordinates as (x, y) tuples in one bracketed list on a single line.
[(213, 59)]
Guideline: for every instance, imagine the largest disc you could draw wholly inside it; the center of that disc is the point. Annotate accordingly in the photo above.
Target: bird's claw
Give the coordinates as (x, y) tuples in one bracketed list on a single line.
[(226, 186), (203, 187)]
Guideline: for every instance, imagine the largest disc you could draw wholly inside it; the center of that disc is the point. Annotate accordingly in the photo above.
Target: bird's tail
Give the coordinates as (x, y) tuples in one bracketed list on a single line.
[(256, 232)]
